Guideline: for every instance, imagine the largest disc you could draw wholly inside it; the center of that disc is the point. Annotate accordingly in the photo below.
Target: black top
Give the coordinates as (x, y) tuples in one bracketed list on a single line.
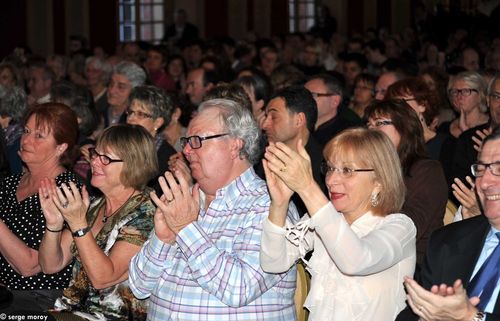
[(331, 128), (25, 219), (315, 152)]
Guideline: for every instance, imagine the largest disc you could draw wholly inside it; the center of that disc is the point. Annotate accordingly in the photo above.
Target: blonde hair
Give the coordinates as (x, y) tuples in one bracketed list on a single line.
[(136, 147), (373, 149)]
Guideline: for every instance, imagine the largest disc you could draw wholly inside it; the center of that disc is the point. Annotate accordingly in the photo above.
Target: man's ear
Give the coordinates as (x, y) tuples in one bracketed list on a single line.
[(236, 146), (300, 120)]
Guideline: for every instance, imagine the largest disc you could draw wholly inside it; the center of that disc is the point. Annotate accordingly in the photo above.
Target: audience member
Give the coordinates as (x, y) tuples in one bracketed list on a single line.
[(13, 106), (177, 69), (47, 147), (40, 80), (290, 117), (424, 101), (216, 256), (458, 279), (10, 76), (364, 93), (98, 74), (258, 90), (126, 76), (426, 188), (384, 81), (181, 29), (327, 91), (352, 278), (103, 234), (151, 108), (199, 81), (156, 61)]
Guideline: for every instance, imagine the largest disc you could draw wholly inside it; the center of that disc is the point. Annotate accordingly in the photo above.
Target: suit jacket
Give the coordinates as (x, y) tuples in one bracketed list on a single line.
[(452, 254)]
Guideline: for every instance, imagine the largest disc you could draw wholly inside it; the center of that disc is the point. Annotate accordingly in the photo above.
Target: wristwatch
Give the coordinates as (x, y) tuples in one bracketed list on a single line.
[(81, 232), (479, 316)]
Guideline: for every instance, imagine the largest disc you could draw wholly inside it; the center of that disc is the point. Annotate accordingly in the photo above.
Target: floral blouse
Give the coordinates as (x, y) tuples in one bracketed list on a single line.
[(133, 224)]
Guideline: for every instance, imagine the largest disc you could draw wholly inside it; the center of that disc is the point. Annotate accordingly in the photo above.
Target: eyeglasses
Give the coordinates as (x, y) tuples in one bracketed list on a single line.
[(379, 123), (138, 114), (195, 141), (464, 92), (344, 172), (479, 170), (104, 159), (316, 95)]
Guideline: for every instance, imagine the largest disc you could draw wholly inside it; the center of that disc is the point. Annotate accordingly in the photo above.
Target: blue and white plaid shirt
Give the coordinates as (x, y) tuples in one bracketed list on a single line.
[(213, 271)]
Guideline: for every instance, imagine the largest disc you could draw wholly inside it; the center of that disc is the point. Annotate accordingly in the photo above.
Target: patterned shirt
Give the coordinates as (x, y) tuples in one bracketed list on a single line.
[(213, 271), (25, 219), (132, 224)]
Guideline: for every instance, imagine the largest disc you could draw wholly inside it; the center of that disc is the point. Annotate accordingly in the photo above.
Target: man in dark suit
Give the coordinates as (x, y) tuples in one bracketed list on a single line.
[(180, 29), (458, 254)]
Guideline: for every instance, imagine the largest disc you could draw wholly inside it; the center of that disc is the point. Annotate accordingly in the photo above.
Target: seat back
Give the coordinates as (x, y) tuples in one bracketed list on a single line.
[(449, 214), (303, 283)]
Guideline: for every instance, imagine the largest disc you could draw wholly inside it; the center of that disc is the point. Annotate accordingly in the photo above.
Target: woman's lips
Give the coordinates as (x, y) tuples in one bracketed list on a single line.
[(336, 196)]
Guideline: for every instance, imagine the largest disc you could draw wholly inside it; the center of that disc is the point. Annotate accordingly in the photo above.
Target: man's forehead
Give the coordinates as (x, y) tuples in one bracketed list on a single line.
[(490, 152), (207, 120)]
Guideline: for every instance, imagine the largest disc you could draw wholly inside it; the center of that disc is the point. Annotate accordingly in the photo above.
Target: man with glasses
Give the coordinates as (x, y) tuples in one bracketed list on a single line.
[(202, 261), (328, 94), (461, 271)]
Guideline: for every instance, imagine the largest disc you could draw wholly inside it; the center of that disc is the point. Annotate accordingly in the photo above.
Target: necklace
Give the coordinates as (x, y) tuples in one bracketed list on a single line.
[(105, 218)]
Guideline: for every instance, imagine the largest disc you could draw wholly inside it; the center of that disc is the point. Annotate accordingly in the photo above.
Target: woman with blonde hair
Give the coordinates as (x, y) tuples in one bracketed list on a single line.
[(362, 247)]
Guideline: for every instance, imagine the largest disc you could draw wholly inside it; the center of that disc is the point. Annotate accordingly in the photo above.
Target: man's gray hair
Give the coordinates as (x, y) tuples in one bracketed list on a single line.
[(14, 103), (240, 123), (102, 65), (135, 74)]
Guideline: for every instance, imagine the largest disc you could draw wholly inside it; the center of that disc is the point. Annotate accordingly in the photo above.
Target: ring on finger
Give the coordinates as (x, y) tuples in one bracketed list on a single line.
[(65, 204), (283, 169)]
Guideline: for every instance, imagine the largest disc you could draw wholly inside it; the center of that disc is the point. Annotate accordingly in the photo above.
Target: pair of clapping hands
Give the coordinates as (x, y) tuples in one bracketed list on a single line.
[(64, 203), (442, 302), (467, 195), (179, 204)]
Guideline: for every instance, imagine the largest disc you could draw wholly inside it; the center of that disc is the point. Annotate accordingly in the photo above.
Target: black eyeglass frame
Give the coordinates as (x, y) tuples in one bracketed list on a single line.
[(104, 159), (474, 168), (187, 140)]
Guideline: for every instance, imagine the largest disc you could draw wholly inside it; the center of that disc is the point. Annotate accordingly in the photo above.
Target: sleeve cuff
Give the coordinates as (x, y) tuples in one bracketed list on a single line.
[(191, 238)]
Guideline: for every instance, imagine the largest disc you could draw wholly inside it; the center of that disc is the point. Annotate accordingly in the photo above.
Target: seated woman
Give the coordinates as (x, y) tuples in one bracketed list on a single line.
[(152, 108), (47, 148), (415, 92), (105, 234), (362, 247), (426, 187)]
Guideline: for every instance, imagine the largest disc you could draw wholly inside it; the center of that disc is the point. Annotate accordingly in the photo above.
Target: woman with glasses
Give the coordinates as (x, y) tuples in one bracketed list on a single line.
[(424, 101), (152, 108), (47, 148), (101, 235), (426, 187), (467, 94), (362, 247)]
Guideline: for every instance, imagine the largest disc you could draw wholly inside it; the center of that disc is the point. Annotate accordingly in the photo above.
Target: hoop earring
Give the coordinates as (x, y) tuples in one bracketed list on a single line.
[(374, 199)]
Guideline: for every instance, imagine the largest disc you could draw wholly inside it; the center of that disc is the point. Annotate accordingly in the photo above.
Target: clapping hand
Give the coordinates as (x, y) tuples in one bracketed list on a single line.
[(179, 205), (72, 205), (293, 168), (466, 197), (442, 302), (480, 136)]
